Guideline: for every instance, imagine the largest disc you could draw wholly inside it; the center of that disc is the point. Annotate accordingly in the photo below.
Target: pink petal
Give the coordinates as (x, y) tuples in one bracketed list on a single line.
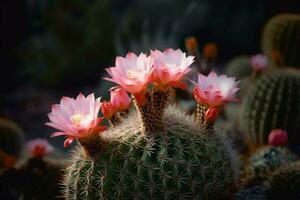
[(68, 142), (58, 134)]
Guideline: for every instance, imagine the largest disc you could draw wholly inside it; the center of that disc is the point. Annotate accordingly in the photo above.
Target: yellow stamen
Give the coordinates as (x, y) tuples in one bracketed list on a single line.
[(76, 118), (132, 74)]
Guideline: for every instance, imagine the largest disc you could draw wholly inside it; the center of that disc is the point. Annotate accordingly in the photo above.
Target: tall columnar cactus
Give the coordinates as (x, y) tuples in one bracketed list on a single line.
[(273, 103), (11, 138), (281, 36), (285, 183), (157, 152)]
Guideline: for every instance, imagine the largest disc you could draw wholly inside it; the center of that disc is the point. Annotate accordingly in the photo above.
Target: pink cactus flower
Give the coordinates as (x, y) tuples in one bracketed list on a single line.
[(170, 67), (278, 137), (119, 99), (39, 147), (213, 90), (132, 73), (211, 115), (76, 118), (259, 62)]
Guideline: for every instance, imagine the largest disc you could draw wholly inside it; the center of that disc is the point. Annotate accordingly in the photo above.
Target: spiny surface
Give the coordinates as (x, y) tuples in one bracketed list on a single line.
[(181, 162)]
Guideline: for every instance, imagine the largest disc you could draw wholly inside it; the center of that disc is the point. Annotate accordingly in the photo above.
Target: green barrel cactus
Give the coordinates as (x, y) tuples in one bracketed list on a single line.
[(180, 161), (273, 103), (11, 138), (263, 163), (281, 35), (285, 183)]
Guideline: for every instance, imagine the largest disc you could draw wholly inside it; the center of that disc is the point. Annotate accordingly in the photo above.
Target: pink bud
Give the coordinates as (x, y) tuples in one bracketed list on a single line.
[(259, 62), (278, 137), (119, 99), (107, 109), (211, 115)]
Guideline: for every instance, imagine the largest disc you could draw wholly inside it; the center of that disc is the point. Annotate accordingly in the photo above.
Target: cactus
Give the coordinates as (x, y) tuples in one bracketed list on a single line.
[(252, 193), (36, 179), (11, 138), (273, 103), (281, 35), (180, 161), (239, 67), (263, 163), (285, 183)]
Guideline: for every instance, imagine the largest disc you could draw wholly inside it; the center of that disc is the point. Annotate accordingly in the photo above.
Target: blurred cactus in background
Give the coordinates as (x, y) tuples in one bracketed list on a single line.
[(263, 163), (281, 41), (273, 103), (38, 178), (285, 183), (11, 138), (239, 67)]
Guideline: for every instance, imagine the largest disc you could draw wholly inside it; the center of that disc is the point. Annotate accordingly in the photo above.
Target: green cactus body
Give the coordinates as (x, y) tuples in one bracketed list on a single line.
[(285, 182), (281, 35), (181, 161), (239, 67), (11, 138), (273, 103), (264, 162)]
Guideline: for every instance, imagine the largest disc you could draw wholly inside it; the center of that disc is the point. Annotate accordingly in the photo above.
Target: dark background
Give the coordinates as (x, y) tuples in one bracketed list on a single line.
[(50, 48)]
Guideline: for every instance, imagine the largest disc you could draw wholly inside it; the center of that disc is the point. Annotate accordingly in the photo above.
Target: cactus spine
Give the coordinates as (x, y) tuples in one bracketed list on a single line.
[(273, 102), (281, 35)]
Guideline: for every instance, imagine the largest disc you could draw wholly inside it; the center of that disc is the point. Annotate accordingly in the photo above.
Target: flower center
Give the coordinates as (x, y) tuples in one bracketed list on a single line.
[(77, 117), (132, 74)]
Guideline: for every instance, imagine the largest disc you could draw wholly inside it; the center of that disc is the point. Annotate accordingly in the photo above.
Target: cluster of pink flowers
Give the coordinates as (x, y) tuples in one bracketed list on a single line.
[(165, 69), (77, 118)]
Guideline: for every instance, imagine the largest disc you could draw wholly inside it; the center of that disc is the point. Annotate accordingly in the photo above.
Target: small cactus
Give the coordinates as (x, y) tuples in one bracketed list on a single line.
[(281, 36), (239, 67), (273, 103), (11, 138), (285, 182), (264, 162), (38, 178)]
